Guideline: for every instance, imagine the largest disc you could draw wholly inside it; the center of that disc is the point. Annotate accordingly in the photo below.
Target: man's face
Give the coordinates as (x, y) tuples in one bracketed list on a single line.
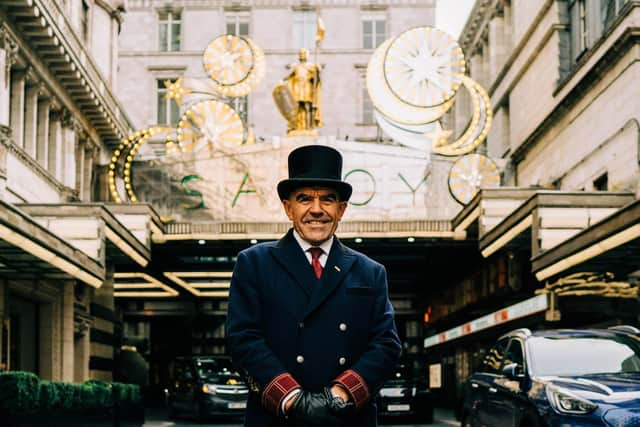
[(315, 212)]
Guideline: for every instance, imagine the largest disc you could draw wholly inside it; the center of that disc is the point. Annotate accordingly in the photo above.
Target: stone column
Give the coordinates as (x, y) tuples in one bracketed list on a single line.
[(8, 54), (68, 161), (54, 155), (5, 140), (79, 159), (31, 119), (497, 45), (87, 172), (42, 142), (18, 79), (4, 315), (68, 359)]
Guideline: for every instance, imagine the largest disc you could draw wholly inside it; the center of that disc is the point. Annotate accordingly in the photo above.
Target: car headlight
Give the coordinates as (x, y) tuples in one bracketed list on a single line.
[(209, 389), (392, 392), (566, 402)]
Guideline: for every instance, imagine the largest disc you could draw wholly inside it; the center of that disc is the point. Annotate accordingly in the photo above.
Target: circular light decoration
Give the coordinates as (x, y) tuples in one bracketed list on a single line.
[(120, 172), (424, 66), (470, 173), (388, 104), (477, 129), (235, 64), (211, 124)]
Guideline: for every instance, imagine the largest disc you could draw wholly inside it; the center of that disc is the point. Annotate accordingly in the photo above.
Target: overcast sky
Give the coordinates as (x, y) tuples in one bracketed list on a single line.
[(451, 15)]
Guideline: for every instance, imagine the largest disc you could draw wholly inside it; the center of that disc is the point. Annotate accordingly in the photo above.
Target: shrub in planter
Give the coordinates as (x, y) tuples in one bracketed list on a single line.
[(96, 394), (19, 392)]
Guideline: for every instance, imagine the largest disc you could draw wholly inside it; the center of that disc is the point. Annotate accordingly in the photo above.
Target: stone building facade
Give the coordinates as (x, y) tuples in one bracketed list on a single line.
[(561, 77), (58, 119), (164, 40)]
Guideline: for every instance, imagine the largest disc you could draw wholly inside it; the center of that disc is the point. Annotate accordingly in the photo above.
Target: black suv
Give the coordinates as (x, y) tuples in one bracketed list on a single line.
[(405, 395), (206, 386), (568, 377)]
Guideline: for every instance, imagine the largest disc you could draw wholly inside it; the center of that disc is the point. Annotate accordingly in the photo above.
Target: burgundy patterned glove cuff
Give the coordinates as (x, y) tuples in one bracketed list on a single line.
[(276, 391), (356, 387)]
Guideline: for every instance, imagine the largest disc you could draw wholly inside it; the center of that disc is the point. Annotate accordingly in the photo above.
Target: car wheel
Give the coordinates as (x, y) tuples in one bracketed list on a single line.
[(173, 413), (427, 416), (531, 419), (202, 413)]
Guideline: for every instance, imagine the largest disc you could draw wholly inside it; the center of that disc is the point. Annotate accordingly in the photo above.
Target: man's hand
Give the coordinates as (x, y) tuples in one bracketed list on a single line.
[(318, 409)]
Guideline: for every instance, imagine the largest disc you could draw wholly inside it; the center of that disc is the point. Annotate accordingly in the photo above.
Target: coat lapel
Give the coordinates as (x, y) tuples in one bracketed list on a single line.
[(290, 256), (335, 270)]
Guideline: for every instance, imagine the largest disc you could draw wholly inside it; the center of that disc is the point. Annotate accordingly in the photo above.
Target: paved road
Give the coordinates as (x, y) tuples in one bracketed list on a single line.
[(158, 418)]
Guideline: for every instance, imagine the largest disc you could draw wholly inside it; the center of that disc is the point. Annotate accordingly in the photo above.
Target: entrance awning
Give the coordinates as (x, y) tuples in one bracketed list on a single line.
[(95, 230), (613, 244), (28, 250)]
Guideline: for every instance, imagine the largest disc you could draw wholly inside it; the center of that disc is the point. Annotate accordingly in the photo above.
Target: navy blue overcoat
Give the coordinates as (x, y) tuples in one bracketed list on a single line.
[(287, 329)]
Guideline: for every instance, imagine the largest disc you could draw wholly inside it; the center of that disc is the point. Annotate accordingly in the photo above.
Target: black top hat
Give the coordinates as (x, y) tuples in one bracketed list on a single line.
[(314, 165)]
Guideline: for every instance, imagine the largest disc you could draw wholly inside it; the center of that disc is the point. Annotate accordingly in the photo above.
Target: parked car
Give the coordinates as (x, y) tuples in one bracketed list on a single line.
[(405, 395), (206, 386), (557, 378)]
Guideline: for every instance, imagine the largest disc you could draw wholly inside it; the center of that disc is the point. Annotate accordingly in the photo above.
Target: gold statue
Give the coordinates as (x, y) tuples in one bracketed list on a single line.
[(298, 97)]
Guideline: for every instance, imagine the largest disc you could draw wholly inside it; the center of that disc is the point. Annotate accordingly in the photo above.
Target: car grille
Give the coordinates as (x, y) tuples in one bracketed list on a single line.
[(623, 417), (232, 393)]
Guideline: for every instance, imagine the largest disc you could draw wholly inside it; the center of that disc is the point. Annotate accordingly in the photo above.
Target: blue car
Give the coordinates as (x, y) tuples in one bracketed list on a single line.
[(557, 378)]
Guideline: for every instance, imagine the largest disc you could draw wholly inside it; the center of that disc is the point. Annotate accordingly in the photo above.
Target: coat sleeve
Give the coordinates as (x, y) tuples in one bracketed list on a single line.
[(249, 349), (376, 364)]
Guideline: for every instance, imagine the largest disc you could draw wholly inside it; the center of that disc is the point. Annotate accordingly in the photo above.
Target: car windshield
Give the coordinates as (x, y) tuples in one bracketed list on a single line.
[(573, 356), (215, 368)]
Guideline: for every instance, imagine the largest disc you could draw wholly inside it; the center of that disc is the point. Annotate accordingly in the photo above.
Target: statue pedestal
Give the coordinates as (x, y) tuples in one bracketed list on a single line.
[(303, 132)]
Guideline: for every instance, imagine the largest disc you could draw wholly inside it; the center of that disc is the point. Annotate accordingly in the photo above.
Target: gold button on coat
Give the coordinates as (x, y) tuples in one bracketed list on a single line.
[(343, 327), (299, 359)]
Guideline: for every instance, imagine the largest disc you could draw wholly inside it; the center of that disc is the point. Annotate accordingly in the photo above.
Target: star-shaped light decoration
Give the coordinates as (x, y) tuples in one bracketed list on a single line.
[(175, 90), (439, 136)]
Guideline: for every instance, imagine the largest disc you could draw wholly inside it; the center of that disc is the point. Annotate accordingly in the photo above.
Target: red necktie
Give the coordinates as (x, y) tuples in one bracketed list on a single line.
[(315, 260)]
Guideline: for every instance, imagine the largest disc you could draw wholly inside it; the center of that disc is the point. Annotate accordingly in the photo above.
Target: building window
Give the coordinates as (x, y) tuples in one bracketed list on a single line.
[(367, 107), (168, 110), (589, 19), (601, 183), (373, 30), (237, 24), (609, 9), (169, 31), (84, 21), (241, 105), (304, 29)]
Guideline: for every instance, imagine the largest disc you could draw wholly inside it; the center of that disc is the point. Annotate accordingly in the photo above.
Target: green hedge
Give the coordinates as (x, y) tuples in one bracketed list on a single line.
[(23, 392)]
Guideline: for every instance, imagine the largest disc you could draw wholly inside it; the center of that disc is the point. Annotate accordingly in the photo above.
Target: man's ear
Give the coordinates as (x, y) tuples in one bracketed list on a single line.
[(287, 209), (342, 209)]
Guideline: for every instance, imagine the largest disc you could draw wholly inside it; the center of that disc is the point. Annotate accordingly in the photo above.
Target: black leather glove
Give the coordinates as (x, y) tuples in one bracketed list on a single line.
[(318, 410)]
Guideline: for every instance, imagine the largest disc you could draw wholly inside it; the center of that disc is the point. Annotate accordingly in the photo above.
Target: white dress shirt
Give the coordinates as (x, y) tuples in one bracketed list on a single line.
[(325, 246)]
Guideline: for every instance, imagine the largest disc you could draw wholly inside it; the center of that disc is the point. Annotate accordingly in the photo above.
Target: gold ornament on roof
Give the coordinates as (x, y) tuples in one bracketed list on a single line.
[(413, 80)]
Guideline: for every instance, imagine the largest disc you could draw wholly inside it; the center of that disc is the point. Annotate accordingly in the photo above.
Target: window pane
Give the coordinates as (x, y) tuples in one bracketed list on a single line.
[(367, 43), (380, 27), (231, 28), (175, 42), (175, 112), (162, 111), (163, 37), (367, 27), (244, 29), (304, 29)]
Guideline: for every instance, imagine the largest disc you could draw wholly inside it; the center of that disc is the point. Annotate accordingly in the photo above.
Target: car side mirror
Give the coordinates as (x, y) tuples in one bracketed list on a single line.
[(513, 371)]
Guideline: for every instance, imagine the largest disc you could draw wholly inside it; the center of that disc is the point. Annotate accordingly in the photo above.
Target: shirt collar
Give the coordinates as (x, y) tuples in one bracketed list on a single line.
[(325, 246)]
